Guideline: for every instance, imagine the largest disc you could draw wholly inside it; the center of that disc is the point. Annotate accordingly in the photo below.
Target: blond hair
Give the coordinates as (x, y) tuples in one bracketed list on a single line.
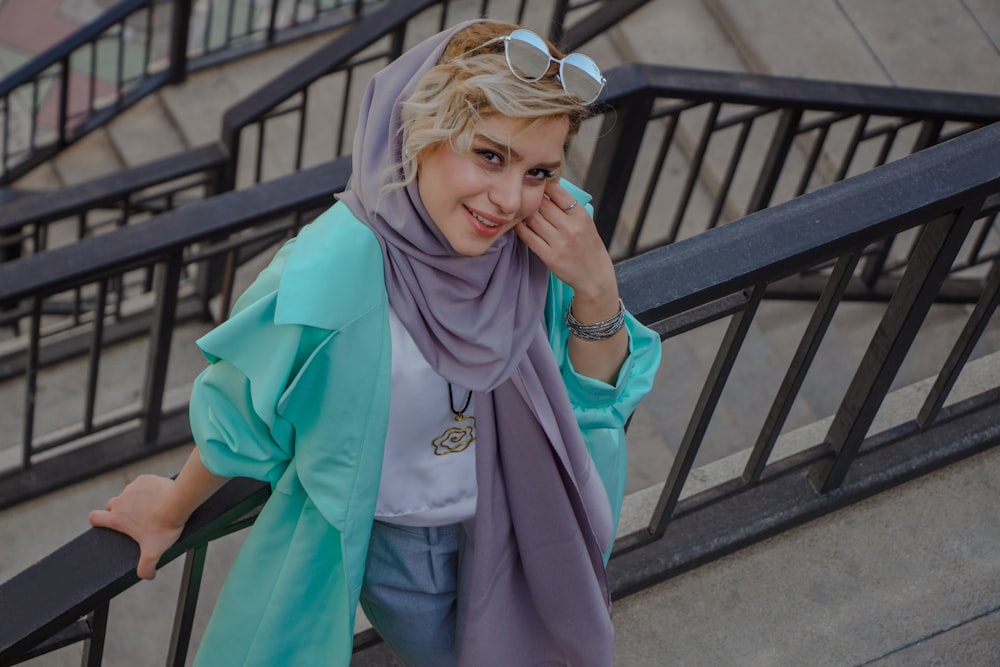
[(471, 83)]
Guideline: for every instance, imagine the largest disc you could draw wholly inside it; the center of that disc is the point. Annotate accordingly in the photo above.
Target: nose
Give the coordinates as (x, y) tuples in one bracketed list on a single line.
[(505, 192)]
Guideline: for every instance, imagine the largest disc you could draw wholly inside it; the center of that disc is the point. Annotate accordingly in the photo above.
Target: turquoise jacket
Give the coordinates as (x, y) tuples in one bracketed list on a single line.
[(297, 394)]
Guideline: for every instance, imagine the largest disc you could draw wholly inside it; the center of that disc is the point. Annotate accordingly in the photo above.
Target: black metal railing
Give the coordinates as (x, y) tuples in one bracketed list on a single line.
[(132, 50), (722, 273), (42, 333), (143, 277), (266, 133), (722, 145)]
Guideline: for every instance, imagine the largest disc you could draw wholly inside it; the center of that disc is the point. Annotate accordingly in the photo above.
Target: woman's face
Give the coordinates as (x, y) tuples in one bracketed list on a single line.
[(475, 198)]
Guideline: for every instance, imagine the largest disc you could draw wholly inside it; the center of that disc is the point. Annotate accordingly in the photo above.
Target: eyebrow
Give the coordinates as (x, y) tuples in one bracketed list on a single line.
[(501, 147)]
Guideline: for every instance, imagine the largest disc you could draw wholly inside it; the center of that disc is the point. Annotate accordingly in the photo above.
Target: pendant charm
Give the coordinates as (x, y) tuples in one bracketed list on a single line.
[(456, 439)]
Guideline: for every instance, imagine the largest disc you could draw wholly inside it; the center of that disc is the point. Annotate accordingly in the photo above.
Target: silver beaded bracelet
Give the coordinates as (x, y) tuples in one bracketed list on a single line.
[(598, 330)]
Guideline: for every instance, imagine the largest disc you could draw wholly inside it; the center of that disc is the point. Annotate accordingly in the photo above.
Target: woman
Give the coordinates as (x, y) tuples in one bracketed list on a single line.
[(434, 377)]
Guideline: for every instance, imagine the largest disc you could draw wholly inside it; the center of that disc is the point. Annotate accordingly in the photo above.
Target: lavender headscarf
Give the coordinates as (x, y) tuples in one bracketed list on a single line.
[(535, 590)]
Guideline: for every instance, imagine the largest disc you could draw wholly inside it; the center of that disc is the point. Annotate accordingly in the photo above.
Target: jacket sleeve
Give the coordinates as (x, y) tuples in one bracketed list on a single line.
[(233, 407), (601, 409)]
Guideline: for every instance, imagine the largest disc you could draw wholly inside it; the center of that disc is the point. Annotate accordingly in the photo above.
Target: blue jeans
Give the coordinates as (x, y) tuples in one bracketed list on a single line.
[(410, 590)]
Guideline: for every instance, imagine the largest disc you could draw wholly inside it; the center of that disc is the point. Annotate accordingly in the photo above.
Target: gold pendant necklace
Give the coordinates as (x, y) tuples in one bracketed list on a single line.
[(456, 439)]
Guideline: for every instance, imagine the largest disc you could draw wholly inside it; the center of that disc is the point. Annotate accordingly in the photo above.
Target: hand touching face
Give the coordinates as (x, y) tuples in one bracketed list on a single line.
[(474, 198)]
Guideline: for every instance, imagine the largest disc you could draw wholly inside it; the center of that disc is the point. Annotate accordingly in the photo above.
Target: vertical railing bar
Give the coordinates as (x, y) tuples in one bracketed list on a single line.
[(228, 282), (619, 145), (187, 604), (31, 382), (711, 392), (397, 41), (167, 281), (63, 103), (799, 367), (230, 17), (654, 178), (180, 35), (250, 28), (727, 182), (962, 350), (812, 160), (93, 646), (206, 38), (344, 111), (939, 243), (697, 159), (147, 53), (259, 162), (443, 21), (92, 83), (887, 143), (300, 142), (120, 73), (930, 130), (6, 134), (852, 147), (557, 28), (93, 364), (980, 240), (774, 161), (272, 22), (81, 233), (874, 265)]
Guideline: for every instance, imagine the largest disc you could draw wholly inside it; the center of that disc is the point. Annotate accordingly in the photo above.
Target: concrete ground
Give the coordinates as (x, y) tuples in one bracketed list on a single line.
[(907, 578)]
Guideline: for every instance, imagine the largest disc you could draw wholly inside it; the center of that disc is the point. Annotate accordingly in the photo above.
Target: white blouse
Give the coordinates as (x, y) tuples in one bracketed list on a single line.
[(429, 467)]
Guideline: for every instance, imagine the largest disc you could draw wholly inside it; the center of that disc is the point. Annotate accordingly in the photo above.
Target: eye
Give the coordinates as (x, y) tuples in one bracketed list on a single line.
[(490, 157), (539, 176)]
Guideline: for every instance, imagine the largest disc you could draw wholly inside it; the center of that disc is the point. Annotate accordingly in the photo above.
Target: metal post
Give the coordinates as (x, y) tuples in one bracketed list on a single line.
[(167, 280), (179, 40), (617, 150), (770, 171), (187, 604)]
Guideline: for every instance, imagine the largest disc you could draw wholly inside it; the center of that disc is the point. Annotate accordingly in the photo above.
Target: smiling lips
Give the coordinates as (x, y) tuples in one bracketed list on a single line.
[(487, 226)]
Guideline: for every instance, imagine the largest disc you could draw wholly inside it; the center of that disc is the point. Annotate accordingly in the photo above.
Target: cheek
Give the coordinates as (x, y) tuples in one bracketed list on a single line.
[(531, 200)]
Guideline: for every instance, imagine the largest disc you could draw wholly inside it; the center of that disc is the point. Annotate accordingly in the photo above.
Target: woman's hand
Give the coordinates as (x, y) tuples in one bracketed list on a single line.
[(564, 236), (153, 510), (138, 511)]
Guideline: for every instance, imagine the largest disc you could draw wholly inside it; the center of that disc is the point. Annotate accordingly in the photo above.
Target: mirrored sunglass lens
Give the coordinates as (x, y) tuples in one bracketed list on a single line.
[(581, 77), (527, 55)]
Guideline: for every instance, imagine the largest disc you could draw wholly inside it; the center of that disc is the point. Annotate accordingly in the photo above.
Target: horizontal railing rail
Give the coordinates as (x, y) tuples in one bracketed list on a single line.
[(172, 251), (720, 145), (130, 51), (724, 272)]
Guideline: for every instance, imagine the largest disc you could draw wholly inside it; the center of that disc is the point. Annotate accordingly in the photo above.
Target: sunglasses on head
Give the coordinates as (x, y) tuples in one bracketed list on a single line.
[(528, 58)]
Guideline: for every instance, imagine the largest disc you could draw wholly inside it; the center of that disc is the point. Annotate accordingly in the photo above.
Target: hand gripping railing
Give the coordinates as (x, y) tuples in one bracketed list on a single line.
[(722, 272)]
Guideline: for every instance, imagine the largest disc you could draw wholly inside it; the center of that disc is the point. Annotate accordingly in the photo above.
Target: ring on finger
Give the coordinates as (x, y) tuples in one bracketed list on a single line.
[(571, 206)]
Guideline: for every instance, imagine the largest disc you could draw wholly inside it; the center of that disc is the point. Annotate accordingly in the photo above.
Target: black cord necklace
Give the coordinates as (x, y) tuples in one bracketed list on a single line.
[(456, 439), (459, 414)]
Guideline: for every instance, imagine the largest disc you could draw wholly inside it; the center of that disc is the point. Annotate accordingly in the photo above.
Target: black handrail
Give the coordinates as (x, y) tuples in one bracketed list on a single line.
[(648, 99), (937, 188), (181, 57)]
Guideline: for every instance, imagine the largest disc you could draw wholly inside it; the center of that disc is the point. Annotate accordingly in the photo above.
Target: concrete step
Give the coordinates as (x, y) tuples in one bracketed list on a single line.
[(907, 577)]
